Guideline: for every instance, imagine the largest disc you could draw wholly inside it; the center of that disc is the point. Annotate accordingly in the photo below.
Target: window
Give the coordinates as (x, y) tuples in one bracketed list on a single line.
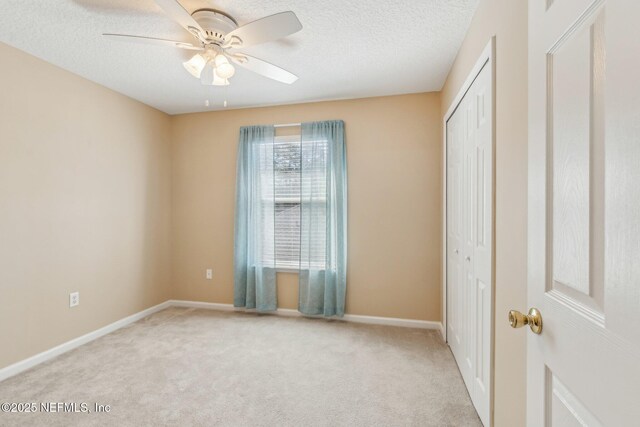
[(290, 189), (291, 214)]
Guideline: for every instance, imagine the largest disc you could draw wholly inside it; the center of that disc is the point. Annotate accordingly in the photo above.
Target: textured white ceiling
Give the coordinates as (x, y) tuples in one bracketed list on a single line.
[(347, 49)]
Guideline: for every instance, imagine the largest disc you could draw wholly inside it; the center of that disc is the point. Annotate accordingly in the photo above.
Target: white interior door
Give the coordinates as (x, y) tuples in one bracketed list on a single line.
[(584, 212), (469, 236)]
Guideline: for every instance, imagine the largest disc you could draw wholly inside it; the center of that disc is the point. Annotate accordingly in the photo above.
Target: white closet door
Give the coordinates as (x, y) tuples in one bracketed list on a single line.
[(469, 239), (455, 332)]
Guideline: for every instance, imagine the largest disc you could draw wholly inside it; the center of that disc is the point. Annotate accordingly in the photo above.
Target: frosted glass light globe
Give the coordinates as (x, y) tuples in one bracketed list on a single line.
[(195, 65), (223, 68)]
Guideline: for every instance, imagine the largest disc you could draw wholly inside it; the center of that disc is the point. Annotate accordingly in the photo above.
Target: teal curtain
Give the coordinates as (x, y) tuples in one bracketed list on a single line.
[(323, 219), (255, 273)]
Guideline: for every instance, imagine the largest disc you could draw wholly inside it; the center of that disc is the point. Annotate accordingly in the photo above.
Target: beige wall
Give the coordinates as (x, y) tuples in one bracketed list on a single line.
[(84, 206), (394, 167), (507, 20)]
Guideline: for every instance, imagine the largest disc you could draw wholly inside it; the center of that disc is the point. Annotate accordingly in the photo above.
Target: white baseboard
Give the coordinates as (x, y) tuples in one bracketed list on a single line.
[(199, 304), (32, 361), (355, 318)]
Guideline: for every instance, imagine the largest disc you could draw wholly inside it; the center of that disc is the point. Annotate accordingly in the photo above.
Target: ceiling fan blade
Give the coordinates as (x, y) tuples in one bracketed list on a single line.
[(179, 14), (263, 68), (152, 41), (263, 30)]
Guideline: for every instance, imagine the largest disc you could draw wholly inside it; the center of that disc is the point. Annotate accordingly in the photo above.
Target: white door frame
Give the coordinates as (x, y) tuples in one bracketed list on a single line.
[(486, 57)]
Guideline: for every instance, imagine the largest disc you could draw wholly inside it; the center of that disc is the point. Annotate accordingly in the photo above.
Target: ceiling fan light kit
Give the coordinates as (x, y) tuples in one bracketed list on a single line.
[(218, 38), (211, 77), (211, 67)]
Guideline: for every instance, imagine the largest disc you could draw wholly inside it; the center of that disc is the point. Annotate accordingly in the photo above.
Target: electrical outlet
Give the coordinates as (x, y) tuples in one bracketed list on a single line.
[(74, 299), (209, 274)]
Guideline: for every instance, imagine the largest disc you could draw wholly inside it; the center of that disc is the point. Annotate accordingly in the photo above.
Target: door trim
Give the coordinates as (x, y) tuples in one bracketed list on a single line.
[(487, 57)]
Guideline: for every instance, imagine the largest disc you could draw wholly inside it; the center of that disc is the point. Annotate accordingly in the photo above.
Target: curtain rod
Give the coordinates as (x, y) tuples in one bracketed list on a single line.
[(287, 125)]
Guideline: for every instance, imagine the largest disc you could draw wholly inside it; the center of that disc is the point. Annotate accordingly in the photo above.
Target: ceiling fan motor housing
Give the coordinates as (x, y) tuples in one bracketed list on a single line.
[(215, 23)]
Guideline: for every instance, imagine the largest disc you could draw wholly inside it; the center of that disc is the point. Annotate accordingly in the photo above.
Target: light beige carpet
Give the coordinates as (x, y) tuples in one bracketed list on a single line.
[(186, 367)]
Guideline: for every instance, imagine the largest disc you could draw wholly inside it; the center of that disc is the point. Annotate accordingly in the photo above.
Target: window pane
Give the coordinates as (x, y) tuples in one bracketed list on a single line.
[(287, 186), (287, 222), (314, 196), (286, 160)]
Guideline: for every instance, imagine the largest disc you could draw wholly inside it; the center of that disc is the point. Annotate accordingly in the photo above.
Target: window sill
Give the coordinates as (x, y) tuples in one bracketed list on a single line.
[(287, 270)]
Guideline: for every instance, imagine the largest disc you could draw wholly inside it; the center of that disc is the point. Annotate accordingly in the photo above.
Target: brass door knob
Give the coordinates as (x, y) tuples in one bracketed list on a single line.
[(533, 319)]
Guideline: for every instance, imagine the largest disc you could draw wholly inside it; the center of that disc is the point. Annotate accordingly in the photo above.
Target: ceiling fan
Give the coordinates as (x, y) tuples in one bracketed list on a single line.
[(218, 38)]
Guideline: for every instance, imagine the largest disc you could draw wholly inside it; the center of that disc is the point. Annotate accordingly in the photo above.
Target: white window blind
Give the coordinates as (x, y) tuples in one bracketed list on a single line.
[(282, 246)]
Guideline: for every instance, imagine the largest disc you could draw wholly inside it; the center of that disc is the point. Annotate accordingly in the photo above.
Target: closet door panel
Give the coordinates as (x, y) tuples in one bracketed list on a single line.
[(470, 237)]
